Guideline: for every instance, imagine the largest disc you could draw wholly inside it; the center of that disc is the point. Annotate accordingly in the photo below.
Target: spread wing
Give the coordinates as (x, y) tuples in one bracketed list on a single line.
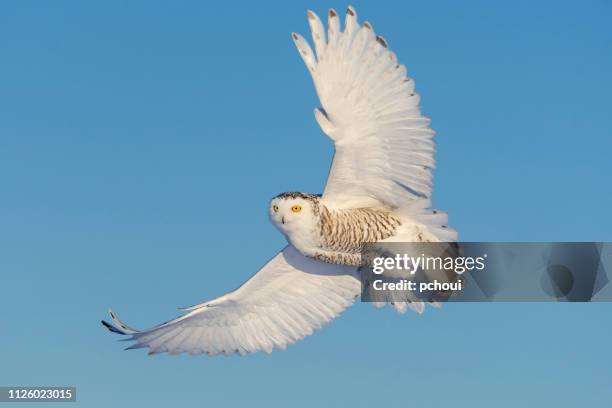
[(383, 145), (289, 298)]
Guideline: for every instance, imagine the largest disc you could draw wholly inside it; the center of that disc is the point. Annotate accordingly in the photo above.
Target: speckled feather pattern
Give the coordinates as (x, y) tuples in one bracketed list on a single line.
[(344, 232)]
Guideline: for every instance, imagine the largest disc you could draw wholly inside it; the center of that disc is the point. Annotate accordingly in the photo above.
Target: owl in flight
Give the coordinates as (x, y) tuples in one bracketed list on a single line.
[(378, 189)]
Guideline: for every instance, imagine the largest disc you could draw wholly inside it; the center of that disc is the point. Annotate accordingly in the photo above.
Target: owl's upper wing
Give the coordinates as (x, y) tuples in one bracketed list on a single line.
[(289, 298), (383, 145)]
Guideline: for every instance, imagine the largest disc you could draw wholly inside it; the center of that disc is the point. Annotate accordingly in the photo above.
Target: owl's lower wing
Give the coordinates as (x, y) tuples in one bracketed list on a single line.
[(383, 145), (289, 298)]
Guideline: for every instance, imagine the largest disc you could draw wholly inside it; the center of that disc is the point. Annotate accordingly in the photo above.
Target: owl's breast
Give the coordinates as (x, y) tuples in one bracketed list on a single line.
[(347, 231), (339, 235)]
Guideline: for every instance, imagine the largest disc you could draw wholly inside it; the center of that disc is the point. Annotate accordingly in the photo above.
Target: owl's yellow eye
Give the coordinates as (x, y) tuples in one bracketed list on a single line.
[(275, 208), (296, 208)]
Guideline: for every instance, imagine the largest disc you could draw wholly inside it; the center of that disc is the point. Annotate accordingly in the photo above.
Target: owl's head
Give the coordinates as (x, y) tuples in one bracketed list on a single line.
[(295, 213)]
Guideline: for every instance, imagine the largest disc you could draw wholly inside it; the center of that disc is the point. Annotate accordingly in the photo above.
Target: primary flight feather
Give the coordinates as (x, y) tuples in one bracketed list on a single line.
[(378, 189)]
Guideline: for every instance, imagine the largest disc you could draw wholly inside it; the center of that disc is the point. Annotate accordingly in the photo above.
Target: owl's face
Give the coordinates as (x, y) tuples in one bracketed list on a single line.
[(295, 214)]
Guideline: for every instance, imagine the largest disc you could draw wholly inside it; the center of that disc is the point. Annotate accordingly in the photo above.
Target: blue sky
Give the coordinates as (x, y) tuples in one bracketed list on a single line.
[(137, 139)]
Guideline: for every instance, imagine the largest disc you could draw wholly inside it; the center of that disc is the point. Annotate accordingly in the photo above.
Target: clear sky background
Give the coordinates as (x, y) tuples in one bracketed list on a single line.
[(141, 141)]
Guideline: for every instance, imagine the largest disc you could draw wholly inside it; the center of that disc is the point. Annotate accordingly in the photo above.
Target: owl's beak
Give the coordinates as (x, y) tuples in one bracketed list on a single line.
[(283, 219)]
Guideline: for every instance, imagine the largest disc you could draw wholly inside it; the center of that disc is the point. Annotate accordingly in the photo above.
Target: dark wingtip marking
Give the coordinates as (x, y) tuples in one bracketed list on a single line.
[(311, 15), (111, 327), (410, 190), (382, 41), (367, 25), (323, 112), (350, 11), (294, 36), (332, 13)]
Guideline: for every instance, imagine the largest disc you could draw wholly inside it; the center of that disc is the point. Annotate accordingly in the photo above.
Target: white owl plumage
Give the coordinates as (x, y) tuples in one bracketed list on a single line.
[(381, 173)]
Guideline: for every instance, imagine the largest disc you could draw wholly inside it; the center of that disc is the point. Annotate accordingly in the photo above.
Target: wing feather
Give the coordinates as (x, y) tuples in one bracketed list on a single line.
[(384, 152), (288, 299)]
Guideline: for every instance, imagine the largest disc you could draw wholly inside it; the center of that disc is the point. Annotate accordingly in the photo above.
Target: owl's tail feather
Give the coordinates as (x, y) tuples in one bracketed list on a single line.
[(436, 221)]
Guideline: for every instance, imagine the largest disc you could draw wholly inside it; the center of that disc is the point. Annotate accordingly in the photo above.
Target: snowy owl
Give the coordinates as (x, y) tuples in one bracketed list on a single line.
[(378, 189)]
